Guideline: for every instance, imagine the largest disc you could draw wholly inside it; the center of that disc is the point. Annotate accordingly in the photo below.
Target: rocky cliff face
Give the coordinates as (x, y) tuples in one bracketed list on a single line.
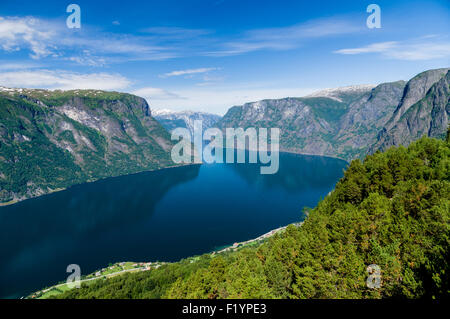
[(185, 119), (423, 110), (339, 122), (54, 139), (353, 121), (359, 127)]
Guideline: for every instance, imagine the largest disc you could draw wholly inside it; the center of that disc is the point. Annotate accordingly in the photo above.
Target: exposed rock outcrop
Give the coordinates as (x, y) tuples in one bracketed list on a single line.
[(54, 139)]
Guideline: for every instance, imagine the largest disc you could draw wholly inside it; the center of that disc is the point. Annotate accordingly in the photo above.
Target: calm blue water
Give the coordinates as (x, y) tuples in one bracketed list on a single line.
[(165, 215)]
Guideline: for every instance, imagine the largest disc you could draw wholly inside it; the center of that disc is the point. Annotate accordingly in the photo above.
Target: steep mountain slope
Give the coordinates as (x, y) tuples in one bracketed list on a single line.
[(360, 125), (172, 120), (338, 122), (353, 121), (424, 110), (53, 139)]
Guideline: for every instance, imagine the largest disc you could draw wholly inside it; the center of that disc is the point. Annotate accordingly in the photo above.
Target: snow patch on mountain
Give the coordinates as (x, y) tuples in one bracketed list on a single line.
[(334, 93), (184, 119)]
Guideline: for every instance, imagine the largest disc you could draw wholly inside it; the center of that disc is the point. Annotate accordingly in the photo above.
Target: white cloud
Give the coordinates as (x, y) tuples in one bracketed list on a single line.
[(176, 32), (285, 38), (63, 80), (152, 93), (29, 32), (11, 65), (424, 51), (410, 51), (188, 72), (372, 48), (87, 59), (87, 46), (94, 47)]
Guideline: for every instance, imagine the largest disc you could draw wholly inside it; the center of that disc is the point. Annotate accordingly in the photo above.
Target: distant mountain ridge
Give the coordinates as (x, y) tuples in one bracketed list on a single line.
[(184, 119), (350, 122)]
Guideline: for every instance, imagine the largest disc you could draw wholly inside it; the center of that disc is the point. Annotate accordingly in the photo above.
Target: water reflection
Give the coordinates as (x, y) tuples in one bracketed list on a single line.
[(296, 172), (37, 233), (163, 215)]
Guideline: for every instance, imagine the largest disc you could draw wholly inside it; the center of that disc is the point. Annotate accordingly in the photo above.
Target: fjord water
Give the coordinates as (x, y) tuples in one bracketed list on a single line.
[(163, 215)]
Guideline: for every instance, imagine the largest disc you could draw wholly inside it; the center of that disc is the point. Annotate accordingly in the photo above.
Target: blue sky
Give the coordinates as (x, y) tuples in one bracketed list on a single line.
[(211, 55)]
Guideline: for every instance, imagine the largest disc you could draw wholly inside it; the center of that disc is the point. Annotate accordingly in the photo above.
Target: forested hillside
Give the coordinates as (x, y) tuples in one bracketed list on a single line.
[(391, 210), (54, 139)]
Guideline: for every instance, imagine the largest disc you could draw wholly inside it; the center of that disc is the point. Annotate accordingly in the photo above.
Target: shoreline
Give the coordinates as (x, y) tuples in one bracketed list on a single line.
[(290, 151), (16, 201), (307, 154), (155, 265), (99, 274), (259, 238)]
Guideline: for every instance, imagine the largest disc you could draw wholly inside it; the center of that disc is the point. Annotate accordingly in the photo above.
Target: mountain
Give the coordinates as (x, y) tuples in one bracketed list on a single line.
[(185, 119), (50, 140), (423, 110), (339, 122), (353, 121)]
